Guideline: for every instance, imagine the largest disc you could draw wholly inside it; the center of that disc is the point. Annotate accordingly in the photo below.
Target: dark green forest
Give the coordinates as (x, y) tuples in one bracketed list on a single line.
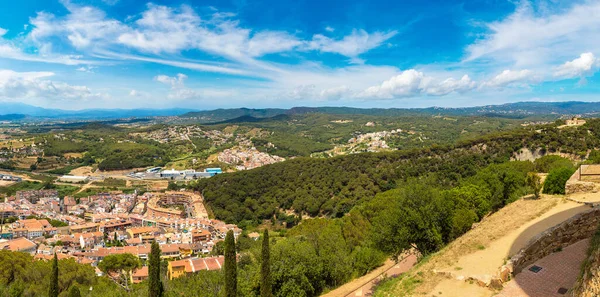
[(333, 186)]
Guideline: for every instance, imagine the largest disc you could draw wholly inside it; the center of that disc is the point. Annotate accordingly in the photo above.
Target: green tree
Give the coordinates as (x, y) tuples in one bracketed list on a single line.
[(155, 286), (533, 181), (556, 180), (172, 186), (53, 289), (230, 266), (74, 292), (413, 216), (265, 268), (297, 269), (121, 265)]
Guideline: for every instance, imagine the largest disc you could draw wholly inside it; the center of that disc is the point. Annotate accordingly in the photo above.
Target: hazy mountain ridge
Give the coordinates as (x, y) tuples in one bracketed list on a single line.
[(8, 108), (512, 110), (19, 111)]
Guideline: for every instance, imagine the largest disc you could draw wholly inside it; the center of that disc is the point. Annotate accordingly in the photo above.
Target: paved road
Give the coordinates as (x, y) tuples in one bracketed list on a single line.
[(559, 270)]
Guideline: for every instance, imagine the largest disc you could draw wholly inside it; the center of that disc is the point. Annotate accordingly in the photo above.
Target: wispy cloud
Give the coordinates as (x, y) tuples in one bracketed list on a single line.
[(512, 77), (351, 46), (531, 37), (20, 85)]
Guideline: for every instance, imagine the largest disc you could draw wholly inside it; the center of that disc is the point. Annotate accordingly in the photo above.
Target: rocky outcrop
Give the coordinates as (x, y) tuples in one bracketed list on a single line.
[(526, 154)]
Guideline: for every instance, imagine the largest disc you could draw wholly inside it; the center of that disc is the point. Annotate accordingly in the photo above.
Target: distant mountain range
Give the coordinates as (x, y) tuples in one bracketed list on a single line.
[(510, 110), (20, 111), (16, 111)]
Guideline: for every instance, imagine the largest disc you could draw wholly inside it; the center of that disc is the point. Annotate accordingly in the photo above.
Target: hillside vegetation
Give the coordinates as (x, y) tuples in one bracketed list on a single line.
[(331, 187)]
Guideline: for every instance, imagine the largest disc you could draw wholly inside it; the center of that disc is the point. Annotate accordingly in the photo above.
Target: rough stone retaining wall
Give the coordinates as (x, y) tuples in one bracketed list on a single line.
[(579, 227), (575, 185), (589, 285)]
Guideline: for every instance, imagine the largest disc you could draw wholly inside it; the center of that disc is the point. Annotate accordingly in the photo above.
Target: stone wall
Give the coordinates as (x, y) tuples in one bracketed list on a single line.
[(579, 227), (589, 284), (575, 185)]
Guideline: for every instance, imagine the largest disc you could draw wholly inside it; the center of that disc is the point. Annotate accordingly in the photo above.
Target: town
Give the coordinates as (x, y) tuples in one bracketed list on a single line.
[(90, 228)]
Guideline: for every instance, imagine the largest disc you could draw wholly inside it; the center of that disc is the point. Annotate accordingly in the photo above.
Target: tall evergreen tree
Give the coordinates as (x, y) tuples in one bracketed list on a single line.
[(53, 289), (74, 292), (230, 266), (265, 268), (155, 286)]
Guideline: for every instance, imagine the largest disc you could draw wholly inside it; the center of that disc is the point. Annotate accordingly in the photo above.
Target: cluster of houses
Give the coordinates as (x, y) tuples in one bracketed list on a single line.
[(107, 227), (247, 158)]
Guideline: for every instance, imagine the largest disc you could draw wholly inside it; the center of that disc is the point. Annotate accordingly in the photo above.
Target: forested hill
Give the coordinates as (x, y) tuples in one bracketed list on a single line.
[(516, 110), (331, 187)]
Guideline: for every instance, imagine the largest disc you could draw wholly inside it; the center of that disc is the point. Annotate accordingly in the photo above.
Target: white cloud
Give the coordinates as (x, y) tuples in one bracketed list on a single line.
[(536, 37), (271, 42), (450, 85), (165, 29), (2, 31), (163, 33), (511, 77), (83, 27), (179, 91), (336, 93), (329, 29), (9, 51), (134, 93), (406, 84), (353, 45), (173, 81), (88, 69), (411, 83), (20, 85), (585, 65)]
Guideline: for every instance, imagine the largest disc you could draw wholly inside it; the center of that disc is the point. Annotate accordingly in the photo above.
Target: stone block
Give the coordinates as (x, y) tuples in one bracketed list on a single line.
[(496, 284)]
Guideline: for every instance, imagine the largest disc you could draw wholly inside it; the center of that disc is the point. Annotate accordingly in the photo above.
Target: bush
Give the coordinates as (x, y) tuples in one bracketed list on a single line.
[(594, 157), (556, 180), (546, 163)]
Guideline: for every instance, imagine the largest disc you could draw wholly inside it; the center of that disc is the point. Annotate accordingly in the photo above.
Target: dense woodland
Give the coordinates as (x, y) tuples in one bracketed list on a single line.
[(332, 186)]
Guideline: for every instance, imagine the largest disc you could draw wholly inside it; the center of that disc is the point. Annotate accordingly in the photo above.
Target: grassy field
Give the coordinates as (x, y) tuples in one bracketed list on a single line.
[(16, 143), (110, 183)]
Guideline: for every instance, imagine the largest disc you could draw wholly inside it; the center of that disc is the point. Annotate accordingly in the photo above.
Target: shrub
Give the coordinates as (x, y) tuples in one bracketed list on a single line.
[(556, 180)]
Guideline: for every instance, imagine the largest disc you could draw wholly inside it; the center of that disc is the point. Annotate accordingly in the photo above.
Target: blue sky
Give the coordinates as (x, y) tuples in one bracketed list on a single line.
[(75, 54)]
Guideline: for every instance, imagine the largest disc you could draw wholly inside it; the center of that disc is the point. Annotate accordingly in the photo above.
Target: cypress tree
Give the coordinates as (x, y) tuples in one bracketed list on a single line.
[(230, 266), (155, 286), (265, 268), (74, 292), (53, 289)]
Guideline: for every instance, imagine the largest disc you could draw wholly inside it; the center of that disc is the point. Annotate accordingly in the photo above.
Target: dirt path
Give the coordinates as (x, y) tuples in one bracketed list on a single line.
[(425, 279), (86, 186), (488, 260), (363, 286)]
